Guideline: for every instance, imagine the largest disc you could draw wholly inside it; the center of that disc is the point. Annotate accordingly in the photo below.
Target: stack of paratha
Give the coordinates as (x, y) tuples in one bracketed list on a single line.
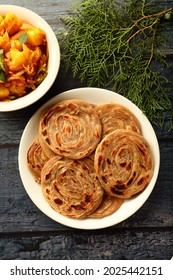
[(88, 158)]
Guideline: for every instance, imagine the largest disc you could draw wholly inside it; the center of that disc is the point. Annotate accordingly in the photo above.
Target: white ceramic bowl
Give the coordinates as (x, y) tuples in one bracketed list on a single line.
[(53, 60), (130, 206)]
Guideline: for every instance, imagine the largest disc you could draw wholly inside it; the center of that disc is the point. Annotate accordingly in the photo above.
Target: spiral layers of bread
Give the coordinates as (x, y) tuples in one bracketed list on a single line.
[(115, 116), (123, 163), (71, 129), (71, 186), (36, 159), (48, 152), (109, 205)]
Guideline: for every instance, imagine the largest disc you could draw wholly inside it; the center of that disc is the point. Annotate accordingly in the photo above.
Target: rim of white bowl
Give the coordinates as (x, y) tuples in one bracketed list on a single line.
[(53, 62)]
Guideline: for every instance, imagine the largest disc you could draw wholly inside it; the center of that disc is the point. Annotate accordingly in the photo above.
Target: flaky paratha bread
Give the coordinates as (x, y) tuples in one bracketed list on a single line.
[(123, 163), (108, 206), (71, 186), (48, 152), (71, 128), (36, 158), (115, 116)]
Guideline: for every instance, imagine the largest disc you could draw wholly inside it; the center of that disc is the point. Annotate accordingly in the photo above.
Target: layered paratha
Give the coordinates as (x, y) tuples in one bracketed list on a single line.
[(36, 158), (114, 116), (109, 205), (123, 163), (71, 186), (48, 152), (71, 128)]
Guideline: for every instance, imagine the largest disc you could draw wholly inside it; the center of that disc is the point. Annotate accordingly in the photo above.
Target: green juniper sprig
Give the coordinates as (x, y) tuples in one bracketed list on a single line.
[(118, 46)]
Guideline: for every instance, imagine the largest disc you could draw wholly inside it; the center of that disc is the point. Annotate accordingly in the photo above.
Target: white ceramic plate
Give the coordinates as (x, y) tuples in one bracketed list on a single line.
[(129, 207)]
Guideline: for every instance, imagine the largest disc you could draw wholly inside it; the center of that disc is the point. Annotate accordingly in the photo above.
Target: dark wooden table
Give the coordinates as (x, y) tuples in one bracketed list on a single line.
[(26, 233)]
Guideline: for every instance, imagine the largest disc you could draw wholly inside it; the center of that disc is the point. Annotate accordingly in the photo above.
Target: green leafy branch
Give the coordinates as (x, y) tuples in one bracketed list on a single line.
[(118, 46)]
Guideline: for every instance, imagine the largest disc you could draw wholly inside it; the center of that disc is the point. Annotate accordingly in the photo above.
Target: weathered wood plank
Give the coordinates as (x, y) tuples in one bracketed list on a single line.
[(105, 245), (18, 213)]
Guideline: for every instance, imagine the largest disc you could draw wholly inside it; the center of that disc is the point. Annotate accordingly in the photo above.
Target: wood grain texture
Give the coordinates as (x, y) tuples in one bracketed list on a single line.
[(105, 245), (26, 233)]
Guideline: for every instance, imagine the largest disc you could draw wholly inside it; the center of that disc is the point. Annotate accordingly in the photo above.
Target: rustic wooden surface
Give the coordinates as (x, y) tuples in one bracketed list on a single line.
[(26, 233)]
